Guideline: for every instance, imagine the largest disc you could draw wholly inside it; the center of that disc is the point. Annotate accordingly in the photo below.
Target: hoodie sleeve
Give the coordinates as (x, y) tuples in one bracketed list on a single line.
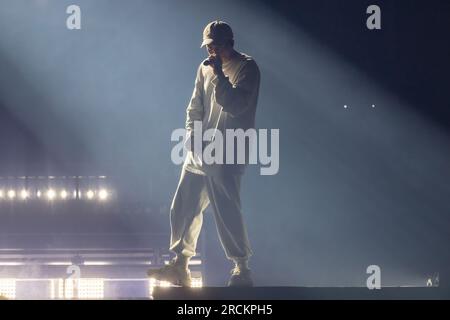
[(237, 98), (194, 111)]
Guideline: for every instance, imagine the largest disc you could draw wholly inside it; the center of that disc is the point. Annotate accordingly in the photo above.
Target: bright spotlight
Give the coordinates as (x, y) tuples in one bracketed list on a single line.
[(63, 194), (197, 283), (103, 194), (165, 284), (90, 194), (24, 194), (11, 194), (51, 194), (8, 288), (39, 194)]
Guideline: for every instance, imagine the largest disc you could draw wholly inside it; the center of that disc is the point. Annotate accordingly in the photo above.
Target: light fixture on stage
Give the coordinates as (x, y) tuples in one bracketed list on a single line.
[(103, 194), (8, 288), (63, 194), (90, 194), (196, 283), (11, 194), (24, 194), (152, 283), (51, 194), (56, 188)]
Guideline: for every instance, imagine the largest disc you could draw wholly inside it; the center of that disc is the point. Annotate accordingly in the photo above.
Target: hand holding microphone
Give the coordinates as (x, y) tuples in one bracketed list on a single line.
[(207, 62), (214, 62)]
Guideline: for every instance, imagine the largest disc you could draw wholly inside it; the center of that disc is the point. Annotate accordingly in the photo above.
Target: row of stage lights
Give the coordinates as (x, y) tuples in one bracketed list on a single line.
[(81, 288), (52, 194)]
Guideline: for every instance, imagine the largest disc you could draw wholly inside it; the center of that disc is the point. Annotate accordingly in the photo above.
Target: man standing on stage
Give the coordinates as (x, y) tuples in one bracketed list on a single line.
[(225, 97)]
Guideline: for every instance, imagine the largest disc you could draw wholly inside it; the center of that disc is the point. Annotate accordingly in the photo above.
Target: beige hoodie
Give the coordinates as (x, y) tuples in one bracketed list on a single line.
[(223, 103)]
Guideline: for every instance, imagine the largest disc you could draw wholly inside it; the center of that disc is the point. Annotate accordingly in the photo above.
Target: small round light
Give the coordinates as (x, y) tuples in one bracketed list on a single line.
[(103, 194), (51, 194), (24, 194), (90, 194), (63, 194), (11, 194), (39, 194)]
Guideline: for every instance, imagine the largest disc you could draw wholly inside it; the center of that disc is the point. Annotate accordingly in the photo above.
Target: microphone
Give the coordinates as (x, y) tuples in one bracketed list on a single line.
[(207, 62)]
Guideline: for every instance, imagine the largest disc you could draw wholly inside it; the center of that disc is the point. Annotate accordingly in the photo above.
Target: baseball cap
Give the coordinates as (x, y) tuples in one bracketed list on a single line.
[(217, 32)]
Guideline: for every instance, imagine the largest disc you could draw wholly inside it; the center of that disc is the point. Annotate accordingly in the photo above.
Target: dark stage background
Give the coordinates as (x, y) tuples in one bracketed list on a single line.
[(357, 186)]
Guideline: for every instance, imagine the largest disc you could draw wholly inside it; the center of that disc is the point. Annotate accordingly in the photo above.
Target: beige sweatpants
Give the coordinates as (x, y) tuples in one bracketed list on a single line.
[(193, 195)]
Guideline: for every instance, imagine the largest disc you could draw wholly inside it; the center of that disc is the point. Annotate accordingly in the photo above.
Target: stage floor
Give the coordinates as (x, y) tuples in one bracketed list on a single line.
[(300, 293)]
